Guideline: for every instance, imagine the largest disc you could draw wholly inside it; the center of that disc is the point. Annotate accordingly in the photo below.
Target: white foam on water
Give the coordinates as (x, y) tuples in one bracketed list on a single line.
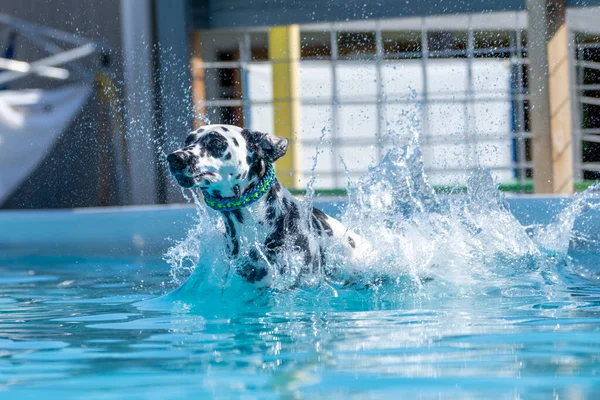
[(461, 243)]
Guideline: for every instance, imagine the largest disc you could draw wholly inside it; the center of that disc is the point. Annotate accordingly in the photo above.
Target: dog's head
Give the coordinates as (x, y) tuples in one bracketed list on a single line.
[(224, 160)]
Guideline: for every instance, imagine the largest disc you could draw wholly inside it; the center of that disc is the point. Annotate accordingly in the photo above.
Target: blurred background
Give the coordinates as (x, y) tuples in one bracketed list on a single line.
[(94, 94)]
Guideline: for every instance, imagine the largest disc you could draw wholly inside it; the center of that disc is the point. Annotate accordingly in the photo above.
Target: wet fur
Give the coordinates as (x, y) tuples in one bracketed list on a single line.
[(260, 236)]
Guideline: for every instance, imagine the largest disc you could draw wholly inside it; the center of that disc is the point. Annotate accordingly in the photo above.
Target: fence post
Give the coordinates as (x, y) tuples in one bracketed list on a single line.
[(550, 88), (284, 54)]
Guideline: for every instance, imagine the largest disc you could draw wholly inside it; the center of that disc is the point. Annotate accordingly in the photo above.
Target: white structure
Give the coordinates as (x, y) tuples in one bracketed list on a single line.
[(465, 99), (480, 106), (460, 81)]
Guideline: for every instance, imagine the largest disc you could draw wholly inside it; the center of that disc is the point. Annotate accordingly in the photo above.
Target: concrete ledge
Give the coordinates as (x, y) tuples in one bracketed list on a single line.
[(151, 230)]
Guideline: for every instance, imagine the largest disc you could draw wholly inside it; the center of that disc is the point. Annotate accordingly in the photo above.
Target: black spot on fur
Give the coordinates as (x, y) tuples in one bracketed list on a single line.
[(235, 142), (316, 225), (237, 191), (232, 235), (252, 139), (276, 186), (286, 224), (238, 176), (275, 239), (253, 273), (321, 258), (257, 165), (214, 143), (225, 129), (238, 215), (254, 256), (351, 242), (257, 171), (227, 156), (322, 217), (192, 137), (273, 191), (270, 215), (294, 215), (301, 243)]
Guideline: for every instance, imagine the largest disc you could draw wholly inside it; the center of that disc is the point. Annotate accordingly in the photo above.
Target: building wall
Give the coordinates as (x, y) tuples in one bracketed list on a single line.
[(243, 13), (70, 175), (211, 14)]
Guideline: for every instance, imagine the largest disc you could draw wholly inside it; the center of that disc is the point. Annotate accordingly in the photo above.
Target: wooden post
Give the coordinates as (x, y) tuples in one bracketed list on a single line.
[(550, 89), (198, 88), (284, 54), (561, 117)]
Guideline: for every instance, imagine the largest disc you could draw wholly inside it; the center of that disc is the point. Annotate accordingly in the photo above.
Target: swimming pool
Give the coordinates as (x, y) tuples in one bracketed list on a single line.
[(82, 317)]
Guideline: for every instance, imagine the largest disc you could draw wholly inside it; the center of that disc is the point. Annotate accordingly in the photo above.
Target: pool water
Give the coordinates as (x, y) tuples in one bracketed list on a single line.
[(461, 297), (82, 327)]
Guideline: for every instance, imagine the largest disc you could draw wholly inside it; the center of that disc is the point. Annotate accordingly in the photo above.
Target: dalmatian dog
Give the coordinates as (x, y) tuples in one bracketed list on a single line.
[(265, 226)]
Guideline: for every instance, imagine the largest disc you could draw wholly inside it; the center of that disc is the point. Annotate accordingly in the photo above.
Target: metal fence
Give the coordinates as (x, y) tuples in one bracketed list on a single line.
[(587, 106), (381, 44)]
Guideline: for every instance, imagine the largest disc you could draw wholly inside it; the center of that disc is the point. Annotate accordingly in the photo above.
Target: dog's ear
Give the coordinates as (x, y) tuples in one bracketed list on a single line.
[(269, 147), (273, 147)]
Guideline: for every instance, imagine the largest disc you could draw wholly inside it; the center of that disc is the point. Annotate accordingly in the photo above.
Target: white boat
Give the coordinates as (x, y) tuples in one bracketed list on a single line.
[(31, 120)]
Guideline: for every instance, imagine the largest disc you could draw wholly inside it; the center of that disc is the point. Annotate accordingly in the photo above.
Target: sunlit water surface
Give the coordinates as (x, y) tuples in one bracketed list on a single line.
[(74, 328)]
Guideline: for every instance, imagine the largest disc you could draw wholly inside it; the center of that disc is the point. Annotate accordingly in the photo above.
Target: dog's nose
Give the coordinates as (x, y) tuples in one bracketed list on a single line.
[(177, 161)]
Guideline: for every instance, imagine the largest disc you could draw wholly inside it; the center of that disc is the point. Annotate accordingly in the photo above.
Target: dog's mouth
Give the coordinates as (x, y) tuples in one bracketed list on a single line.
[(185, 170), (197, 179)]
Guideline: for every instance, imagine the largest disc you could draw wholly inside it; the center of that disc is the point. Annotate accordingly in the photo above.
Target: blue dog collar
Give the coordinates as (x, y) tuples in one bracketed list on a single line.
[(250, 197)]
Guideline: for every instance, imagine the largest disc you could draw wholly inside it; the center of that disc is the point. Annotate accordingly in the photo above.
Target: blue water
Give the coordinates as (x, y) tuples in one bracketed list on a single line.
[(465, 296), (78, 327)]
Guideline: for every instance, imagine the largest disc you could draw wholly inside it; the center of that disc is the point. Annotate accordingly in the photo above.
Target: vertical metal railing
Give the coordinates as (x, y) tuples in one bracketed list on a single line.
[(519, 108), (471, 153), (581, 99), (379, 57), (425, 95), (335, 104), (517, 95), (577, 79)]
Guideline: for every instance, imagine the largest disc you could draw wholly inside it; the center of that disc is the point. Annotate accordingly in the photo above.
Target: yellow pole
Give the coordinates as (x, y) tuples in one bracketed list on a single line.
[(284, 54)]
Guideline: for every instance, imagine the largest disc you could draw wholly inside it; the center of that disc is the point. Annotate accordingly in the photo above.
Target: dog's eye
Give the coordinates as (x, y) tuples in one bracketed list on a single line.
[(212, 140), (215, 143)]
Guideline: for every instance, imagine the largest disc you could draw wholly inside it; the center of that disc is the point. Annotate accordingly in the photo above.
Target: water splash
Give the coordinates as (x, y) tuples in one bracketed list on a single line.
[(310, 187), (461, 243), (200, 246), (556, 236)]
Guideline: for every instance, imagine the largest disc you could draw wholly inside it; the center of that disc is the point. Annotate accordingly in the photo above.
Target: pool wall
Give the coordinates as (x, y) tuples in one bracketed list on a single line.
[(150, 230)]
